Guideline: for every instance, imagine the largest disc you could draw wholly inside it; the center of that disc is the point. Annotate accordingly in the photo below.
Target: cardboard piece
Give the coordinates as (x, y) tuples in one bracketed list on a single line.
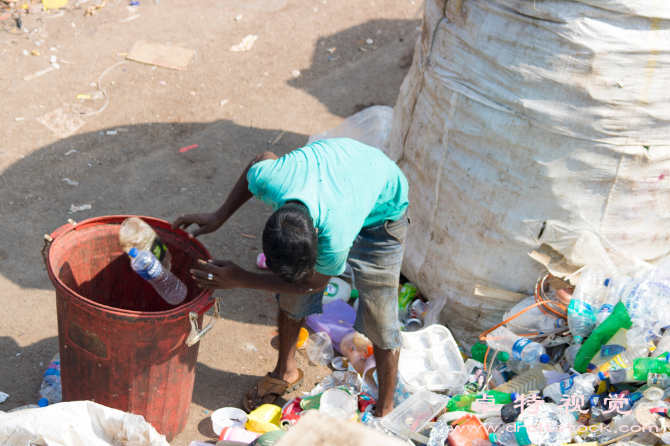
[(165, 56)]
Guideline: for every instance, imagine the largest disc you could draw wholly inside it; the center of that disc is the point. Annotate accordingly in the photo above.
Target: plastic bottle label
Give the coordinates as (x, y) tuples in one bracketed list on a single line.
[(606, 308), (567, 385), (158, 249), (53, 369), (518, 346), (152, 271), (581, 308), (331, 290)]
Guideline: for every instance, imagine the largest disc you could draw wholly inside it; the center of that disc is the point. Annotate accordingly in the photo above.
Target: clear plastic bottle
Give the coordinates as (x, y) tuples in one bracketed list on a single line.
[(624, 360), (615, 288), (136, 233), (51, 391), (580, 384), (520, 348), (164, 282), (571, 353), (663, 345), (542, 323), (587, 297), (661, 380), (533, 379)]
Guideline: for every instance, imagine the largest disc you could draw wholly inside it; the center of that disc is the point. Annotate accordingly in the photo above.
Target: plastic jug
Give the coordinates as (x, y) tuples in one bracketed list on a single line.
[(338, 289)]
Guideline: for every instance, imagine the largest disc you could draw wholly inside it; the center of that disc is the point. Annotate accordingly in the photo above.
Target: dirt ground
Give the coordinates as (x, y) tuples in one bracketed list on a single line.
[(155, 111)]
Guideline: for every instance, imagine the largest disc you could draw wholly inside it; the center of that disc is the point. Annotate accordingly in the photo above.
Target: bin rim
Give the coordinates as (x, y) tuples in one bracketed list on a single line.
[(200, 304)]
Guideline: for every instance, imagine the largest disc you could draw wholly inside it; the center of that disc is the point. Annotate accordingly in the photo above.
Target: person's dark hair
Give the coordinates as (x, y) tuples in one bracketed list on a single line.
[(289, 243)]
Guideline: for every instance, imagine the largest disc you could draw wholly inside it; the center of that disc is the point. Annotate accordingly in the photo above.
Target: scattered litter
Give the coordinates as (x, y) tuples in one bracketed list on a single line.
[(20, 119), (26, 53), (62, 122), (187, 148), (245, 45), (39, 73), (128, 19), (53, 48), (35, 53), (238, 18), (295, 73), (280, 136), (369, 41), (248, 236), (111, 132), (165, 56), (91, 10), (18, 354), (3, 397), (192, 93), (83, 96), (134, 3), (83, 207), (224, 102), (70, 152), (53, 58), (331, 50), (70, 182)]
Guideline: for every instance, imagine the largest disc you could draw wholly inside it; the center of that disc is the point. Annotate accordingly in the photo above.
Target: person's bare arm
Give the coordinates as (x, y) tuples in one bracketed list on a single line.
[(210, 222), (228, 275)]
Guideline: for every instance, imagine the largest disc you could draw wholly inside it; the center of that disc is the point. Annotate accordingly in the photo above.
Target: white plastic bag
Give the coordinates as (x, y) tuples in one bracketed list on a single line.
[(320, 348), (77, 423), (370, 126)]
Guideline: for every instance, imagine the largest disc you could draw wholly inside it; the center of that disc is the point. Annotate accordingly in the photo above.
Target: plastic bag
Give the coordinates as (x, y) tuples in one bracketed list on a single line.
[(370, 126), (319, 348)]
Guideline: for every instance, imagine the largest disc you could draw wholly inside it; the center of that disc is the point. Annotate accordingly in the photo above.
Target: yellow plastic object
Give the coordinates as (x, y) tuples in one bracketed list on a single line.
[(54, 4), (304, 334), (264, 419)]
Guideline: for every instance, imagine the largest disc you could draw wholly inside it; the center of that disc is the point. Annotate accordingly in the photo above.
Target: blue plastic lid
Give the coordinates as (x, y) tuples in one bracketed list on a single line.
[(493, 438), (544, 359), (133, 252), (43, 402), (602, 376), (515, 396), (607, 282)]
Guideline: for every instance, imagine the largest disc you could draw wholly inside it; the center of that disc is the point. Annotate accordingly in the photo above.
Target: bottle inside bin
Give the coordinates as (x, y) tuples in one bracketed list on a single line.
[(136, 233), (166, 284)]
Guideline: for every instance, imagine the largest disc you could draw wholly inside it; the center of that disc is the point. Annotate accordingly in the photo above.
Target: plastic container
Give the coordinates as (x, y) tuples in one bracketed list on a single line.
[(264, 418), (112, 321), (339, 404), (319, 348), (51, 390), (136, 233), (624, 360), (519, 348), (530, 380), (586, 300), (269, 438), (430, 360), (228, 417), (338, 289), (574, 385), (615, 289), (413, 414), (466, 430), (237, 434), (166, 284), (337, 320), (464, 402), (661, 380)]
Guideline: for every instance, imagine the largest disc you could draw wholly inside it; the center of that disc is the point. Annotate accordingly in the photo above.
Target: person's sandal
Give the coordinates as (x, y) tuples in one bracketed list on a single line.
[(271, 386)]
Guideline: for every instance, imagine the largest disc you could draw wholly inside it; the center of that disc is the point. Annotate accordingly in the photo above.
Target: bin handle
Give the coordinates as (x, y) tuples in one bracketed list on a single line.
[(48, 240), (198, 333)]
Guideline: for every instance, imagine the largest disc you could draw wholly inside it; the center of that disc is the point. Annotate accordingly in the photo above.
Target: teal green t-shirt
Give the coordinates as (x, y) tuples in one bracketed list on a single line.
[(346, 185)]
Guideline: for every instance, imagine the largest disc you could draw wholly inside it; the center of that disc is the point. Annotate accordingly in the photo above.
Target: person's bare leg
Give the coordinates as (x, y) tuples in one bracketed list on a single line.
[(286, 368), (387, 371)]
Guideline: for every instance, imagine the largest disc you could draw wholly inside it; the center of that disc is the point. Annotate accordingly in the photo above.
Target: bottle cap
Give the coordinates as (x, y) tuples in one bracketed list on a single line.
[(354, 294), (515, 396), (602, 376), (577, 339), (43, 402), (493, 438), (544, 358), (503, 356), (133, 252), (607, 282), (366, 417)]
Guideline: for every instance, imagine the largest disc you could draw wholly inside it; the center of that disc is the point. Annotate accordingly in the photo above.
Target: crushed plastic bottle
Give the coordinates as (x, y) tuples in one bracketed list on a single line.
[(555, 425), (544, 323), (520, 348), (166, 284), (51, 391), (575, 385)]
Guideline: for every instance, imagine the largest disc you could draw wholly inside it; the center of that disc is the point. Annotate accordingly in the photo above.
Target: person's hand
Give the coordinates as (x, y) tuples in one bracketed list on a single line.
[(225, 275), (206, 223)]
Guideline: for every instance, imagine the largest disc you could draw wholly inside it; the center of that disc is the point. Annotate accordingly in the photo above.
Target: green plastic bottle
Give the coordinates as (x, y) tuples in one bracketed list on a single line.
[(478, 351), (406, 295), (464, 402), (617, 320), (642, 367)]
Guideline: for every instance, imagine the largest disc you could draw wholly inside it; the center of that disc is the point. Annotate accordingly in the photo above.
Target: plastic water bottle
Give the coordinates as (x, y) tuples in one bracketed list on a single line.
[(588, 295), (625, 359), (542, 324), (571, 353), (51, 391), (136, 233), (520, 348), (338, 289), (164, 282), (580, 384), (511, 434), (663, 345), (615, 289), (661, 380)]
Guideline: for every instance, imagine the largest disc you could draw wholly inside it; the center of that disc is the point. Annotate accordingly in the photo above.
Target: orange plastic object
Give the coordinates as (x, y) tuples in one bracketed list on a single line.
[(466, 429), (304, 334), (121, 345)]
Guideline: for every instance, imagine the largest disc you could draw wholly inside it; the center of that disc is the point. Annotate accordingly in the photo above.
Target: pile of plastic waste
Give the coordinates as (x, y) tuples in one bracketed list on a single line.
[(585, 359)]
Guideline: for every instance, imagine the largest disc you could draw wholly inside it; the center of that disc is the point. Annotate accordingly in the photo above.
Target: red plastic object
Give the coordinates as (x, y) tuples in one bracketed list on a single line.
[(466, 429), (121, 344), (290, 414)]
